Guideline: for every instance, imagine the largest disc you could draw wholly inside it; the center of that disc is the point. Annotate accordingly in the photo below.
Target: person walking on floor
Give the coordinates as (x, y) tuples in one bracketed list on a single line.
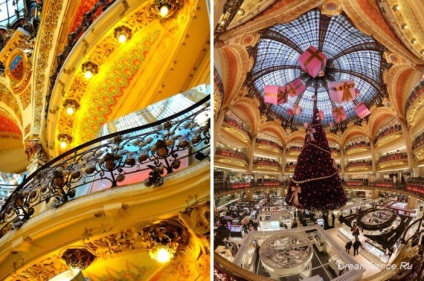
[(356, 246), (348, 246)]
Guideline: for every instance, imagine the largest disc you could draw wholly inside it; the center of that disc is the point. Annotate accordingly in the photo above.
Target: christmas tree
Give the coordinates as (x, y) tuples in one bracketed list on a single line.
[(316, 184)]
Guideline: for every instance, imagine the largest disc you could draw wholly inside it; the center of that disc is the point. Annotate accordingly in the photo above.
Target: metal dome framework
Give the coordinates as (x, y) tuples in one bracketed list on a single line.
[(351, 55)]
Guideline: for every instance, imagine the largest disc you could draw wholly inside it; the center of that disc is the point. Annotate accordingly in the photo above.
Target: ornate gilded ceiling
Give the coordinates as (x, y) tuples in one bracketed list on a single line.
[(242, 31), (130, 75)]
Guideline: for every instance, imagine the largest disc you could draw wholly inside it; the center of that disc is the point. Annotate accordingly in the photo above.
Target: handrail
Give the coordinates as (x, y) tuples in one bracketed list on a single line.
[(145, 153)]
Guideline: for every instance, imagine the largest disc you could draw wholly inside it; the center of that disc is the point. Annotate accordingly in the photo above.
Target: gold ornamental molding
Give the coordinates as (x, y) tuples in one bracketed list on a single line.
[(235, 132), (111, 224), (43, 50), (406, 22), (230, 161), (389, 139)]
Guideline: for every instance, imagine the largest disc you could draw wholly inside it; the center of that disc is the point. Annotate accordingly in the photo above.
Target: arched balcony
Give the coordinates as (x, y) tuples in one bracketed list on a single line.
[(388, 135), (236, 128), (361, 165), (268, 144), (356, 147), (418, 148), (399, 159), (230, 158), (120, 179)]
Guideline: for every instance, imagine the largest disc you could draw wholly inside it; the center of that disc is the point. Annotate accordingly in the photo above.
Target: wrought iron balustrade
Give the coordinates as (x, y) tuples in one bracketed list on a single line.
[(142, 154)]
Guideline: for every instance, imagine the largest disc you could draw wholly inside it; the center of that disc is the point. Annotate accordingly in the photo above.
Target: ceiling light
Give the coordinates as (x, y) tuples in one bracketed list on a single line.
[(89, 69), (240, 12), (161, 254), (122, 34), (73, 274), (71, 106), (396, 7), (413, 41), (64, 140), (166, 8), (404, 26), (166, 238)]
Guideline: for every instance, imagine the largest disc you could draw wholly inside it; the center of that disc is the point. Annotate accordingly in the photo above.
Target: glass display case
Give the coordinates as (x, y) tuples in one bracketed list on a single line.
[(345, 233), (373, 252), (249, 258), (237, 231)]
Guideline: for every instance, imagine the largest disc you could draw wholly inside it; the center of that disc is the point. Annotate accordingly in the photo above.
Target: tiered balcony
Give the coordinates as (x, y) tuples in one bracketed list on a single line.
[(418, 148), (361, 165), (268, 145), (389, 135), (384, 184), (335, 151), (294, 150), (230, 158), (398, 160), (357, 147), (290, 167), (236, 129), (98, 200), (266, 165), (356, 182), (416, 186)]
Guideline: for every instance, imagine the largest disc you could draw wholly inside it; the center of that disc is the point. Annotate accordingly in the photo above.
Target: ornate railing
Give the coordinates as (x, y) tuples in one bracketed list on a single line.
[(266, 162), (414, 96), (391, 157), (418, 141), (388, 131), (269, 142), (143, 154), (359, 164), (353, 146), (294, 149), (231, 153), (237, 124)]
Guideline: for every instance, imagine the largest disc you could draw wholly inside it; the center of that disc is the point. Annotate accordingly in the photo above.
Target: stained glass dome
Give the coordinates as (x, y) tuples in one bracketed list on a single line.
[(351, 55)]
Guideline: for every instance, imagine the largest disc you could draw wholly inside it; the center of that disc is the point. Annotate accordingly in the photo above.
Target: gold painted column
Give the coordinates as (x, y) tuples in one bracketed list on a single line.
[(373, 157), (218, 124), (342, 162), (284, 160), (250, 153), (36, 154), (408, 144)]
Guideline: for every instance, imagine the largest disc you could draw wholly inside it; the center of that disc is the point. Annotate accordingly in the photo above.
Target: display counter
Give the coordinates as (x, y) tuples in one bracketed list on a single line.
[(249, 258), (226, 253), (285, 254), (237, 231), (335, 263), (373, 252), (345, 234), (269, 225), (315, 238)]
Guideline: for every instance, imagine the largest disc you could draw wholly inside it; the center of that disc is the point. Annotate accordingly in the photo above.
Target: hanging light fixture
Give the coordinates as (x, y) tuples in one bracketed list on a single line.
[(166, 8), (122, 34), (166, 238), (71, 106), (89, 69), (64, 140)]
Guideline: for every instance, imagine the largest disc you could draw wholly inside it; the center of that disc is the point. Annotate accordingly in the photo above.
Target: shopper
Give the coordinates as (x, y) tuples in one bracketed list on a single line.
[(348, 246), (334, 218), (356, 246)]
